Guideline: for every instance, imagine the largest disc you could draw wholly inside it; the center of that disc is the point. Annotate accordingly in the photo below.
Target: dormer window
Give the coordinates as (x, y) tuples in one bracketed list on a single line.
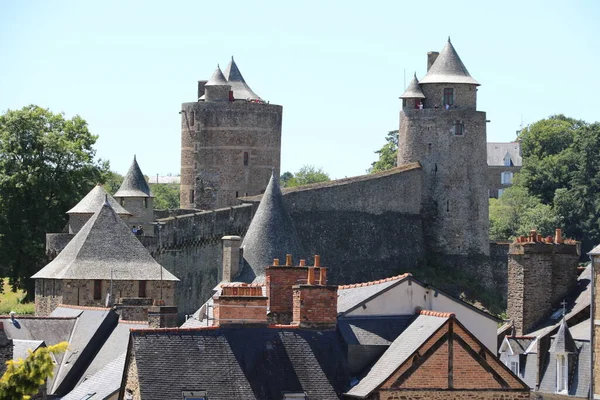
[(562, 373), (459, 128), (507, 161), (448, 96)]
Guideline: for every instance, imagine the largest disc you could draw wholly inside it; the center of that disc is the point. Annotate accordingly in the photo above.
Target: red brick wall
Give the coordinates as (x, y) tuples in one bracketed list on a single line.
[(240, 310), (280, 280), (315, 305), (451, 395)]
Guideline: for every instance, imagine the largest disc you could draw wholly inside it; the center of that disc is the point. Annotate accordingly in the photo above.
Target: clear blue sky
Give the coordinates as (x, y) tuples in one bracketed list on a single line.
[(336, 67)]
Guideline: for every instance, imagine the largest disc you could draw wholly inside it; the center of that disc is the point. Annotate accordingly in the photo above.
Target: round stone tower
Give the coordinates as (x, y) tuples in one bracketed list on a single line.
[(230, 142), (441, 129)]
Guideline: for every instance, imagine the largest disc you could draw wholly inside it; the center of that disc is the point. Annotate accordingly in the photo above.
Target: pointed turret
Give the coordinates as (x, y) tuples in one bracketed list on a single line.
[(217, 88), (105, 249), (271, 235), (217, 78), (134, 184), (448, 68), (92, 201), (563, 341), (413, 91), (241, 90)]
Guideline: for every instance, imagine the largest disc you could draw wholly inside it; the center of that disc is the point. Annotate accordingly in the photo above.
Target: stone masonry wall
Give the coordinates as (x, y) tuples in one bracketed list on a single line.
[(228, 150), (494, 177), (465, 96)]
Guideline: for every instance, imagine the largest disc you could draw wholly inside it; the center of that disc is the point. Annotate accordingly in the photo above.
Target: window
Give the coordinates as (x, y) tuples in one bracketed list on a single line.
[(145, 202), (506, 178), (97, 289), (122, 201), (448, 96), (500, 191), (514, 367), (191, 196), (142, 289), (195, 395), (562, 373), (192, 118), (459, 128), (507, 161), (245, 158)]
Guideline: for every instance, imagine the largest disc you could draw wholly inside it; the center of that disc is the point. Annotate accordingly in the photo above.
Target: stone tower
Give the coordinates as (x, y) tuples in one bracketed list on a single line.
[(230, 142), (441, 129), (595, 317), (135, 196)]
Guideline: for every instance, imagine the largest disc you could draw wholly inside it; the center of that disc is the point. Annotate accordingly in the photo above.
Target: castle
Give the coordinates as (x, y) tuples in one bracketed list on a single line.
[(432, 208)]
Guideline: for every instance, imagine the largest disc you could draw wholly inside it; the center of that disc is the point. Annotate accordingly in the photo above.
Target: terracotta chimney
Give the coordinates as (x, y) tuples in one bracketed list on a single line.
[(240, 304), (558, 236), (315, 306)]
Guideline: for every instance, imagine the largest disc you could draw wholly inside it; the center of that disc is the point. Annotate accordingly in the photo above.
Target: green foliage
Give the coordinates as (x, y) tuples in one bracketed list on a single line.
[(112, 182), (388, 154), (46, 166), (285, 178), (166, 195), (23, 378), (516, 212), (306, 175), (14, 300), (561, 168)]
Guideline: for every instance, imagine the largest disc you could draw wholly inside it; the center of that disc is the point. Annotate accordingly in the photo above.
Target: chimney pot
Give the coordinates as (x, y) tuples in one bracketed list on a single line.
[(288, 260), (558, 239), (323, 277), (276, 262), (311, 276), (317, 260), (302, 263)]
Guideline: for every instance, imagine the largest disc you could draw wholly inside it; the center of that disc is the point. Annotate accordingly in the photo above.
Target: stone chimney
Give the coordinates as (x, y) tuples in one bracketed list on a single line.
[(231, 257), (315, 303), (595, 256), (431, 57), (161, 316), (201, 88), (6, 349), (240, 304), (280, 279), (541, 272)]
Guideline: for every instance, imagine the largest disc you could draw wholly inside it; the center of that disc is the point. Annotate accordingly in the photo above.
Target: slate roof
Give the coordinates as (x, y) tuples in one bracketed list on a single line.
[(134, 184), (239, 363), (497, 151), (563, 341), (102, 384), (581, 331), (448, 68), (271, 235), (217, 78), (104, 244), (519, 345), (595, 251), (21, 347), (94, 199), (350, 296), (579, 375), (373, 330), (240, 88), (409, 341), (413, 91)]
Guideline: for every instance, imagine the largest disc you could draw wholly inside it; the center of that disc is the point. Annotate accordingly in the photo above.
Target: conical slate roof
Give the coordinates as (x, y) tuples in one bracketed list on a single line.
[(563, 341), (134, 184), (271, 235), (94, 199), (241, 90), (413, 91), (448, 68), (217, 78), (104, 244)]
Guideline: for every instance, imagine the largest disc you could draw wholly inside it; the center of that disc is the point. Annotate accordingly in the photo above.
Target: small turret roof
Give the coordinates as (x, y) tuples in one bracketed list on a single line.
[(217, 78), (105, 248), (271, 235), (413, 91), (448, 68), (563, 341), (240, 88), (134, 184), (94, 199)]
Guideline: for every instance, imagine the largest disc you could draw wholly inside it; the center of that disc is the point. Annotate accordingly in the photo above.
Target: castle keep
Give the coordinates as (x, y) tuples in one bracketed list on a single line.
[(230, 142)]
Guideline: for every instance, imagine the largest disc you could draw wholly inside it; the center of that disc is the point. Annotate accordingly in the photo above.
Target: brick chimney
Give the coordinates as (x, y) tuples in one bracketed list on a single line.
[(541, 272), (280, 279), (240, 304), (161, 316), (315, 303), (231, 257)]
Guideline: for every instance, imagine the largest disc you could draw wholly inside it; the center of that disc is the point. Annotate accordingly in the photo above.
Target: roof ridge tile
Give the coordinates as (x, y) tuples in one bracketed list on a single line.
[(370, 283)]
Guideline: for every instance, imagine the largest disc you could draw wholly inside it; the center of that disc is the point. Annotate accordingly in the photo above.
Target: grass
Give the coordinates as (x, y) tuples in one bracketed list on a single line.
[(11, 301)]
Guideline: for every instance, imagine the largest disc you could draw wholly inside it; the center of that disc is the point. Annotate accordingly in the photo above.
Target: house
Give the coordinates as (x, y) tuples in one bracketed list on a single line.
[(504, 161)]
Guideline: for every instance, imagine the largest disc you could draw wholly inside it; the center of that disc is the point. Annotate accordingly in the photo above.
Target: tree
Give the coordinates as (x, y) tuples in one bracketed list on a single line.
[(166, 195), (285, 178), (113, 182), (23, 378), (46, 166), (388, 154), (306, 175)]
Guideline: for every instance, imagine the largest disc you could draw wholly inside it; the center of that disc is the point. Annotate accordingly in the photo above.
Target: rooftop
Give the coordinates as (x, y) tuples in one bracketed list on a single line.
[(94, 199), (134, 184), (448, 68)]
